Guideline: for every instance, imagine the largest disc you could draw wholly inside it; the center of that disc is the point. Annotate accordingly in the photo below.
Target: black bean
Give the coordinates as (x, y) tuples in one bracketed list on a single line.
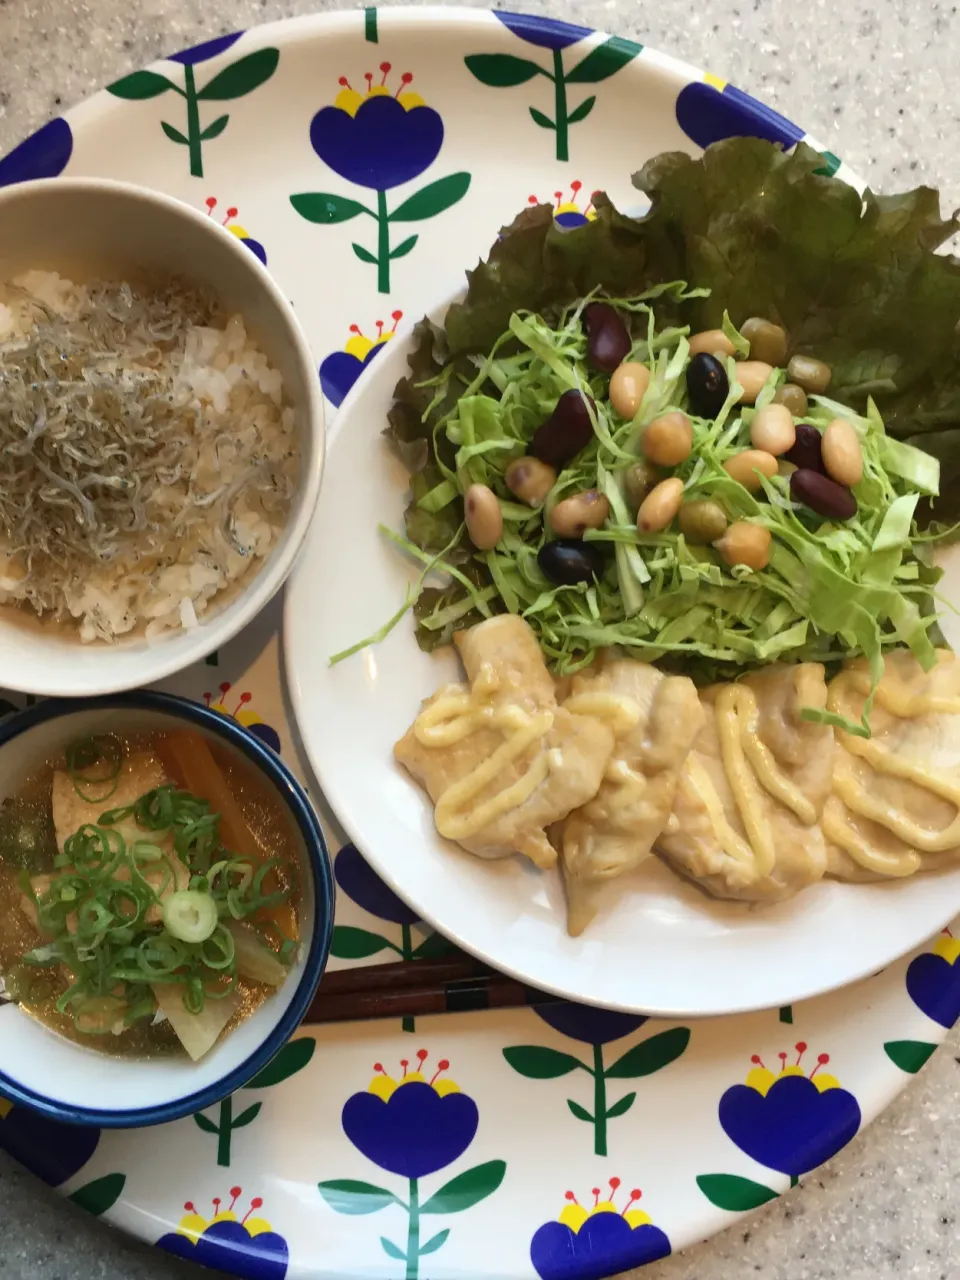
[(707, 385), (608, 341), (567, 431), (822, 495), (807, 450), (569, 561)]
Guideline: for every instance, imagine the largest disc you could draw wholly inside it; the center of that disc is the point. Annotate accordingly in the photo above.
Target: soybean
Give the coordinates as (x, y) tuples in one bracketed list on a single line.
[(752, 376), (807, 450), (628, 386), (667, 440), (568, 430), (822, 495), (812, 375), (608, 340), (660, 505), (748, 466), (768, 341), (569, 561), (574, 515), (794, 397), (702, 521), (530, 480), (707, 385), (745, 543), (483, 517), (842, 453), (638, 480), (772, 429), (712, 341)]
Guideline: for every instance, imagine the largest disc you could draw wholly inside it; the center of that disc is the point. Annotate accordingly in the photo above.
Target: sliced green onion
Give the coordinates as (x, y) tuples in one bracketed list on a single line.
[(190, 916)]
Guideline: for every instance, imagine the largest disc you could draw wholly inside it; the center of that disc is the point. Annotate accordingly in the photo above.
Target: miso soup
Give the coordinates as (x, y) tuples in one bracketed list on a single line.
[(148, 893)]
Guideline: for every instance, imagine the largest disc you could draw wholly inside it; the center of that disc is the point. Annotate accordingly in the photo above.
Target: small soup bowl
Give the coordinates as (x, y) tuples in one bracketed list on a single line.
[(69, 1082)]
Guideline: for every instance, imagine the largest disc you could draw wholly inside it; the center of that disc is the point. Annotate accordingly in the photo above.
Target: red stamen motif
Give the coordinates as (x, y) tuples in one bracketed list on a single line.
[(396, 317), (783, 1061), (532, 200), (211, 203), (255, 1203), (575, 186), (405, 80), (379, 324), (757, 1061), (596, 1196), (216, 1205), (235, 1192), (404, 1062), (378, 1068), (207, 697), (822, 1061), (614, 1183), (190, 1207), (344, 82), (801, 1048), (355, 328), (368, 76), (385, 68), (568, 1195)]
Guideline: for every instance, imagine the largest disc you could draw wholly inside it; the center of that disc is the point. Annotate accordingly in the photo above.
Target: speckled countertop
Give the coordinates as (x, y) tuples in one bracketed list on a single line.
[(875, 81)]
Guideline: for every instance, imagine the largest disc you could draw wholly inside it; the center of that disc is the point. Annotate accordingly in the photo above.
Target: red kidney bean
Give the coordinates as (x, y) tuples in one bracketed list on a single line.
[(569, 561), (707, 385), (807, 450), (608, 340), (565, 432), (822, 495)]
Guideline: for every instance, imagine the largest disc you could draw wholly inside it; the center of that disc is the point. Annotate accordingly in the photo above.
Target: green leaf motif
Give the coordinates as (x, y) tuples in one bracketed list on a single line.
[(350, 943), (370, 25), (174, 134), (830, 165), (365, 256), (100, 1196), (542, 120), (435, 945), (347, 1195), (581, 1113), (293, 1057), (501, 70), (206, 1125), (622, 1107), (404, 248), (604, 61), (432, 199), (141, 85), (727, 1191), (326, 208), (247, 1117), (214, 130), (241, 77), (909, 1055), (391, 1250), (434, 1243), (786, 1014), (467, 1189), (581, 112), (537, 1062), (650, 1055)]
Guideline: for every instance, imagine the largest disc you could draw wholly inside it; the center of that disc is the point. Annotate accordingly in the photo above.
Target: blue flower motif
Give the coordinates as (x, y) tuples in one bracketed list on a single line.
[(52, 1151), (205, 51), (338, 372), (546, 33), (415, 1131), (45, 154), (707, 115), (603, 1244), (381, 145), (361, 883), (589, 1025), (229, 1246), (933, 982), (792, 1128)]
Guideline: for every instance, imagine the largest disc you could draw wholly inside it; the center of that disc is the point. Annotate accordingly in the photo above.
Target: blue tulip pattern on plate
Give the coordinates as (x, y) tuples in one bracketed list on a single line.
[(242, 234), (45, 154), (588, 1244), (243, 714), (245, 1246), (340, 370), (379, 140), (933, 984), (235, 80), (597, 1028), (790, 1122), (505, 70), (413, 1127), (55, 1152), (567, 210)]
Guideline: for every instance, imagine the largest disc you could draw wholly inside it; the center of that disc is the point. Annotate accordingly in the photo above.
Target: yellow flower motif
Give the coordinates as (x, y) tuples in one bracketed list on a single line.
[(384, 1086), (763, 1080), (948, 948), (5, 1108), (360, 346), (574, 1215), (194, 1224), (349, 100), (715, 81)]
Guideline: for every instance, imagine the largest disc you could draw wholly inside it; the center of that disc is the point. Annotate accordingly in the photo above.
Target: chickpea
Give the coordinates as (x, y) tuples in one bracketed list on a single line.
[(574, 515), (660, 505), (745, 466), (812, 375), (628, 386), (794, 397), (638, 480), (702, 521), (772, 429), (768, 341), (484, 519), (667, 440), (842, 453), (745, 543), (714, 342), (752, 376), (530, 480)]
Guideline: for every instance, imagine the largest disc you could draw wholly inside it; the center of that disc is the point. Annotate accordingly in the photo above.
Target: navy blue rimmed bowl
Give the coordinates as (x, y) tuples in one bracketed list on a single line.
[(78, 1085)]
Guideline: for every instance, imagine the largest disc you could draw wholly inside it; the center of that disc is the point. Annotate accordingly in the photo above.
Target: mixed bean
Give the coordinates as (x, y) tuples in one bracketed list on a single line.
[(823, 467)]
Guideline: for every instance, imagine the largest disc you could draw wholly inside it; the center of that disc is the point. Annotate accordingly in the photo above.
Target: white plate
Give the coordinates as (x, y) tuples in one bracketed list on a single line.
[(658, 945)]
